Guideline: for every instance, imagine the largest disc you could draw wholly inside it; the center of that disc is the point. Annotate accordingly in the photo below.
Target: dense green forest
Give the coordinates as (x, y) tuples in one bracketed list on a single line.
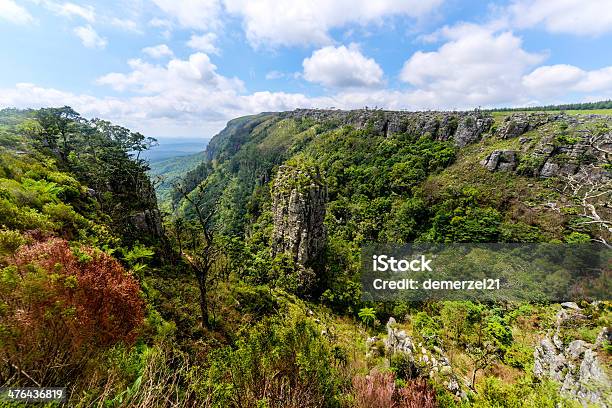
[(166, 173), (245, 290)]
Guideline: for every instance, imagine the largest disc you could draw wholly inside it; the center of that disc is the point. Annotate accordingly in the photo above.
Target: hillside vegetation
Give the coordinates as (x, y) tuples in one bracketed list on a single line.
[(248, 293)]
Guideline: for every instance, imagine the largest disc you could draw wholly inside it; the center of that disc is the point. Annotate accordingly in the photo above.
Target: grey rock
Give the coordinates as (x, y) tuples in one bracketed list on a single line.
[(462, 127), (549, 169), (148, 222), (605, 335), (576, 349), (298, 211), (430, 363), (470, 129), (570, 305), (575, 366), (501, 160), (517, 124), (371, 340)]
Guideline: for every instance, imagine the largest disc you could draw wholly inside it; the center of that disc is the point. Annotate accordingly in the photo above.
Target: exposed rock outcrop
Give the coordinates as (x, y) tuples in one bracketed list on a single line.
[(298, 210), (463, 127), (470, 129), (430, 363), (567, 144), (517, 124), (575, 365), (501, 160)]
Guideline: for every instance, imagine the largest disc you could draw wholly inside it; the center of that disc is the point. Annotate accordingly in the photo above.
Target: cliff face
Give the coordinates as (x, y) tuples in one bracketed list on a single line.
[(361, 148), (298, 210), (568, 144), (463, 127)]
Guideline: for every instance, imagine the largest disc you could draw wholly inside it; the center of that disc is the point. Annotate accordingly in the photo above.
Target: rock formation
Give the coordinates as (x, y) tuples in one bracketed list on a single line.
[(298, 210), (518, 123), (430, 363), (559, 152), (463, 127), (574, 365), (470, 129), (501, 160)]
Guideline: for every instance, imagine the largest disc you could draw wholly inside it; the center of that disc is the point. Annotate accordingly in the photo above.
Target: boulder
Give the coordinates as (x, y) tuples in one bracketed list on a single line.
[(501, 160)]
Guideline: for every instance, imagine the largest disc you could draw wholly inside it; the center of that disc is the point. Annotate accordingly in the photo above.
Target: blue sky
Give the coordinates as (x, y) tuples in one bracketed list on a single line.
[(182, 68)]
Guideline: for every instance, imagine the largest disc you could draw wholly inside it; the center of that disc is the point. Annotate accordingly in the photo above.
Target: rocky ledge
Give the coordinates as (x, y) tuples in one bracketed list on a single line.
[(574, 365), (462, 127)]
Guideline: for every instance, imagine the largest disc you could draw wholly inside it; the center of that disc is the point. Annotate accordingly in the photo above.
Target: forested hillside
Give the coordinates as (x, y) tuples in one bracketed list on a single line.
[(248, 294), (166, 173)]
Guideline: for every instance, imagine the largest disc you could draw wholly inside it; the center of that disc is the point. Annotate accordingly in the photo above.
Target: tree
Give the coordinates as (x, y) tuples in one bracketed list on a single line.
[(591, 186), (367, 315), (200, 251), (58, 125), (592, 190)]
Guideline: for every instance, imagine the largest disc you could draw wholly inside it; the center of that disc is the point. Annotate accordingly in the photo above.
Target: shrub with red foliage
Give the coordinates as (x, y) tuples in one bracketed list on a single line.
[(375, 390), (378, 390), (60, 305), (416, 394)]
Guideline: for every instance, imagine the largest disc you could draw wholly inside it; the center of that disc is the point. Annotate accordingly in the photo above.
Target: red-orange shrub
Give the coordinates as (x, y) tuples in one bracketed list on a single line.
[(60, 305), (375, 390), (417, 394), (378, 390)]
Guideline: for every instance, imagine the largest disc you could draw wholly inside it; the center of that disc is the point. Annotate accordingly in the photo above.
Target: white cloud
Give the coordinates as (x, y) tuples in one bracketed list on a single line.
[(290, 22), (476, 66), (178, 77), (126, 24), (158, 51), (199, 14), (12, 12), (70, 10), (557, 80), (342, 67), (552, 79), (89, 37), (599, 80), (204, 42), (582, 17)]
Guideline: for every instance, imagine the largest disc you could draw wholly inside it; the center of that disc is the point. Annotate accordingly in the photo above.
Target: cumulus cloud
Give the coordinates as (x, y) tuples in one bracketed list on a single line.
[(204, 42), (178, 77), (291, 22), (158, 51), (89, 37), (342, 67), (71, 10), (556, 80), (476, 66), (14, 13), (592, 17), (198, 14)]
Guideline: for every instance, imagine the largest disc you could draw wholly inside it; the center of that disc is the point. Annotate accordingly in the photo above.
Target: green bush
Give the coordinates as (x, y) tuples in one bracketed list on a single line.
[(278, 362)]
